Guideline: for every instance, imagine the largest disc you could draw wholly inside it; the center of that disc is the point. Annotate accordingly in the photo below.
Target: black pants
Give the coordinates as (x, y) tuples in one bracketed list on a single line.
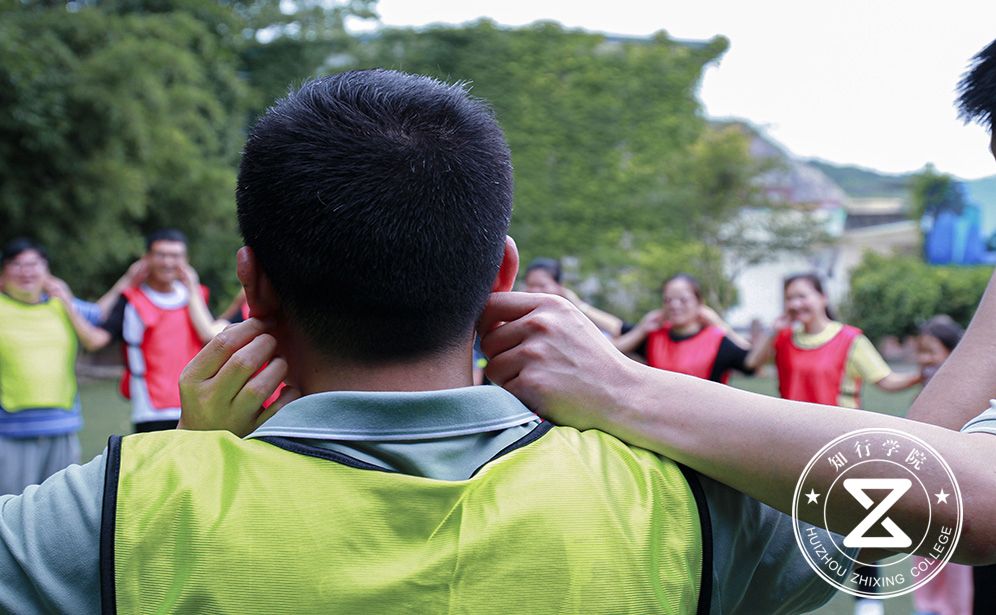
[(154, 426)]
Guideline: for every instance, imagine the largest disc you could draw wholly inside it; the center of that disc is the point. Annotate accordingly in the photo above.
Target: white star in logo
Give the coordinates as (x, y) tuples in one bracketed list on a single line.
[(942, 497), (813, 496)]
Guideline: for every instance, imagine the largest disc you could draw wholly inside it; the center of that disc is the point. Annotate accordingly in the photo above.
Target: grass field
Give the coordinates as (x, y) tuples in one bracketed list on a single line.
[(106, 413)]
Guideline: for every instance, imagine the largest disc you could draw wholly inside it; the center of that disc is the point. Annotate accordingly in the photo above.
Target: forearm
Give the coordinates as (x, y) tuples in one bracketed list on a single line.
[(631, 340), (201, 317), (546, 353), (896, 381), (760, 445), (91, 338), (761, 354), (736, 338), (602, 319), (731, 333), (967, 380), (107, 301)]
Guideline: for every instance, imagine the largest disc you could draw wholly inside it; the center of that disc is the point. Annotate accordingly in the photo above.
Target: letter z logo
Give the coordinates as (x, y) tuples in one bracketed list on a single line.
[(897, 538)]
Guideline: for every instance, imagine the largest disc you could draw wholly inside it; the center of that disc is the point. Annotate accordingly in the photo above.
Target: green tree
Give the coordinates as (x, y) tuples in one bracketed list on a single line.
[(892, 295), (113, 125), (128, 115), (932, 192), (654, 262), (613, 160)]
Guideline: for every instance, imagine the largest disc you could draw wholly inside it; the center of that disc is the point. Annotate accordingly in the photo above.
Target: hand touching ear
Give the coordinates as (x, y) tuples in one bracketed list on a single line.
[(225, 385)]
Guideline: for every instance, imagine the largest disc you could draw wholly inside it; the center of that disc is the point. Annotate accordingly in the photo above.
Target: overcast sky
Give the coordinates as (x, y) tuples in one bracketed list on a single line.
[(865, 82)]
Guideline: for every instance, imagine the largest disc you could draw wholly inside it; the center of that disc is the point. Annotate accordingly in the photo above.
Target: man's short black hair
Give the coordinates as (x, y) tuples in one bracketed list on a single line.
[(16, 247), (164, 234), (977, 89), (378, 203)]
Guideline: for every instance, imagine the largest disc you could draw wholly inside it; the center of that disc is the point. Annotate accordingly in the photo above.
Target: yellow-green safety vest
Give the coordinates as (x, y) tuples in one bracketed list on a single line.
[(37, 355), (563, 522)]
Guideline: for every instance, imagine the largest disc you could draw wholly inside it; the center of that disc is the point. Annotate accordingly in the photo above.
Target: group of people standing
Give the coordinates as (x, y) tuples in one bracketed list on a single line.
[(157, 310), (391, 484), (817, 359)]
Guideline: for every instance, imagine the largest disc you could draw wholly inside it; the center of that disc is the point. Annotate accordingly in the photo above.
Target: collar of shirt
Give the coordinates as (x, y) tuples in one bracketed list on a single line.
[(394, 416), (444, 435), (175, 298), (815, 340)]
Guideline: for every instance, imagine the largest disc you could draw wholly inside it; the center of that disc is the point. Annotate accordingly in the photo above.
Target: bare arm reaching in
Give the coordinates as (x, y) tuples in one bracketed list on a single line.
[(205, 324), (133, 277), (91, 337), (548, 355)]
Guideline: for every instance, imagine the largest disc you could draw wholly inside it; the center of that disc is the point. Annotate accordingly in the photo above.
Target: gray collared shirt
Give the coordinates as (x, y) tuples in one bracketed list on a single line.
[(50, 535), (985, 422)]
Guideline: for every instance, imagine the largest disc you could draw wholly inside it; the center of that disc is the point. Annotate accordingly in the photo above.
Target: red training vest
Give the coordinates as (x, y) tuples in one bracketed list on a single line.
[(694, 356), (814, 375), (169, 343)]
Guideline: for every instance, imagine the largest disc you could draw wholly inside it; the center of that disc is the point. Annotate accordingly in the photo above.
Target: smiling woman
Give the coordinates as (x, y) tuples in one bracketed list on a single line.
[(686, 336), (820, 360)]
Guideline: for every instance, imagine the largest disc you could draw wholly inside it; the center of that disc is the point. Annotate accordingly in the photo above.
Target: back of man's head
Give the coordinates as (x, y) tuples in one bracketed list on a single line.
[(977, 89), (377, 204)]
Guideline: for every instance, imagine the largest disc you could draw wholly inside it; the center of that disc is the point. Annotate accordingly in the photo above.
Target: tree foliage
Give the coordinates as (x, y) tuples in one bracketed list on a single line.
[(126, 115), (613, 161), (932, 192), (892, 295), (110, 126)]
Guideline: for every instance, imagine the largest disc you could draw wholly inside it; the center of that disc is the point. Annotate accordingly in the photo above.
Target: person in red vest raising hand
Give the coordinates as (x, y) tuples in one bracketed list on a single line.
[(163, 323), (686, 336), (818, 359)]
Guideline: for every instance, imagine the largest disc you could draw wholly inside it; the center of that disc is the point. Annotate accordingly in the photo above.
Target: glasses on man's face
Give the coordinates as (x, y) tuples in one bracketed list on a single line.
[(26, 265), (162, 256)]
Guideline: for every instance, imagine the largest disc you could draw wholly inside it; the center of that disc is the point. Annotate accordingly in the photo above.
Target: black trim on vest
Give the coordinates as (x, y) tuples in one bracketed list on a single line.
[(108, 516), (538, 432), (705, 579), (322, 453)]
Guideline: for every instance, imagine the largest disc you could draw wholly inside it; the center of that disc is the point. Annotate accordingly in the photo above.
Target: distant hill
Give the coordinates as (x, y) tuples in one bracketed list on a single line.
[(810, 176), (859, 182)]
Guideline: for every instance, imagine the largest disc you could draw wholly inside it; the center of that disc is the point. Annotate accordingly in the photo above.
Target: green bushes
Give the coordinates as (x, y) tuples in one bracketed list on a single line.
[(892, 295)]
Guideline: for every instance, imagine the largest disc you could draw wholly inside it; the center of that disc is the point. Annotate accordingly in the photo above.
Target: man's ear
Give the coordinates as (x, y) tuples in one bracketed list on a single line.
[(263, 302), (509, 269)]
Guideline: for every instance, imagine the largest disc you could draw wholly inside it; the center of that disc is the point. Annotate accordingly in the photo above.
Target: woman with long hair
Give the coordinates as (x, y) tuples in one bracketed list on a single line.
[(819, 359)]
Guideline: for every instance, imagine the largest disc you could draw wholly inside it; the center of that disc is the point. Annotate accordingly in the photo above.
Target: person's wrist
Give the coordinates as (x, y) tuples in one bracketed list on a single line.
[(624, 396)]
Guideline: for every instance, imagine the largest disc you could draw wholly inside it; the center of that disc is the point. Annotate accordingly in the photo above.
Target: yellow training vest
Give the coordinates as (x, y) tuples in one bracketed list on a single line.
[(37, 356), (574, 522)]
